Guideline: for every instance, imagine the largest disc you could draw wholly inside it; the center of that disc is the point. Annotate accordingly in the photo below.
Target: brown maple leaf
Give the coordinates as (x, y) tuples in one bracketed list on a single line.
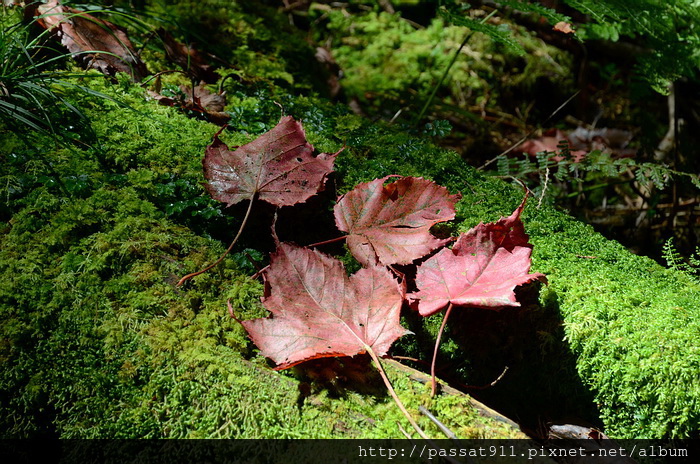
[(481, 270), (93, 42), (188, 58), (198, 101), (318, 311), (552, 141), (579, 143), (278, 167), (390, 224)]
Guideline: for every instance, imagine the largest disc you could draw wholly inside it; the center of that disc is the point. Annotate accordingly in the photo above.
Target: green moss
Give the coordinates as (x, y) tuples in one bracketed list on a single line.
[(259, 44), (388, 61), (102, 264), (634, 327), (98, 342)]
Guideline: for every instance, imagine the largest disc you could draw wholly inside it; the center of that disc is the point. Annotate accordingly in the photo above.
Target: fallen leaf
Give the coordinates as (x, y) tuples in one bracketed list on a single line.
[(318, 311), (85, 36), (552, 141), (188, 58), (278, 167), (203, 98), (481, 270), (390, 224), (613, 141), (200, 102), (563, 26), (580, 142)]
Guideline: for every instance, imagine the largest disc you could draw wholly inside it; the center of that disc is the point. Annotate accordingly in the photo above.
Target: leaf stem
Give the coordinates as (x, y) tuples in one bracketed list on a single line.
[(433, 382), (228, 250), (393, 394), (326, 242)]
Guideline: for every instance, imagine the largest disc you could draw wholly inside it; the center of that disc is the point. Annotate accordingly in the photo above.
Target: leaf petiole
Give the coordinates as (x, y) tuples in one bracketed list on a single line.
[(433, 382), (326, 242), (228, 250), (393, 394)]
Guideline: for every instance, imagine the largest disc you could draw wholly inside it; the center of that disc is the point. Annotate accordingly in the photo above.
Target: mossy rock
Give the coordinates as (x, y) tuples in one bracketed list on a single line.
[(99, 342)]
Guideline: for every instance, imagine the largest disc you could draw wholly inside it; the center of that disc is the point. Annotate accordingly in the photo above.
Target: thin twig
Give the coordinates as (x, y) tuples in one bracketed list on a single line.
[(544, 187), (253, 262), (443, 428), (408, 358), (158, 74), (447, 71), (403, 431), (396, 115), (326, 242), (259, 273), (489, 385)]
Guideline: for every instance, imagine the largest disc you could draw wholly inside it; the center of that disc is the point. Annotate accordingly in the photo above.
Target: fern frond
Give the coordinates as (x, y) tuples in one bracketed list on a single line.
[(675, 261), (500, 34), (551, 15)]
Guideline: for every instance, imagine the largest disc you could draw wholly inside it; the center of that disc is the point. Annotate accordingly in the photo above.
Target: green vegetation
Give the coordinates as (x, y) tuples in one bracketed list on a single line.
[(388, 63), (675, 261), (32, 83), (669, 30), (98, 342)]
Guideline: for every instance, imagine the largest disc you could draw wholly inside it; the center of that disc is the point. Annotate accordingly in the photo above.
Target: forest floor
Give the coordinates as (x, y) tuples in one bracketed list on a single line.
[(101, 228)]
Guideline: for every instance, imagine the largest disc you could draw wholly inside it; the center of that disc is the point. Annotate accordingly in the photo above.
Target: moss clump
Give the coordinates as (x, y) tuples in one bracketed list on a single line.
[(633, 326)]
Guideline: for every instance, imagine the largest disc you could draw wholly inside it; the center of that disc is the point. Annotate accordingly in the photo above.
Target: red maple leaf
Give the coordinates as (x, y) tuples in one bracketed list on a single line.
[(318, 311), (390, 224), (482, 269), (278, 167)]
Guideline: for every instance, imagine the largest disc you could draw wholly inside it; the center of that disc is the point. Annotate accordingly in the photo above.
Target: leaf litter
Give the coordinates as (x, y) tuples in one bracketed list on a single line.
[(318, 311), (93, 42)]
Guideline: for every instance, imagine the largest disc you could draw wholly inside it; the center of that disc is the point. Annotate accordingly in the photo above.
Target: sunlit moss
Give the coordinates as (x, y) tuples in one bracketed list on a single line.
[(388, 61), (98, 342)]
